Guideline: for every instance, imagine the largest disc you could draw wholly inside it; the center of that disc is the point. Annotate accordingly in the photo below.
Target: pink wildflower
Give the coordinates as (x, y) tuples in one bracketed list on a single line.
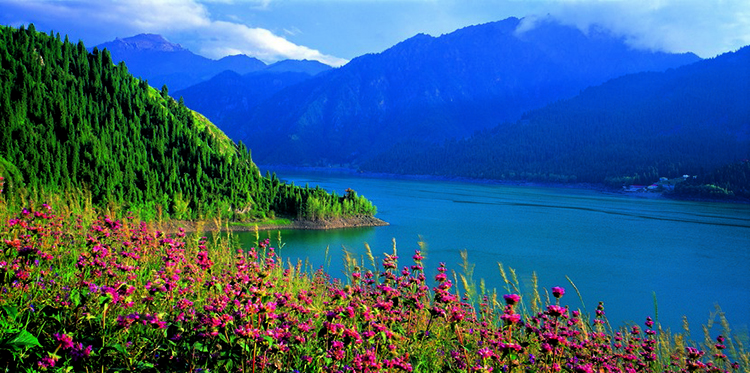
[(558, 292), (511, 299), (65, 341)]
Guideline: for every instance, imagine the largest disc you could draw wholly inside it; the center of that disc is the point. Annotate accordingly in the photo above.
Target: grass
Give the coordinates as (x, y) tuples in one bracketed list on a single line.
[(106, 295), (274, 222)]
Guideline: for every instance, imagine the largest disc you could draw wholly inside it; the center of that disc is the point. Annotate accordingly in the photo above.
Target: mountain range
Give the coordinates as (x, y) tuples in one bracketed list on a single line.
[(155, 59), (630, 130), (229, 96), (498, 100), (436, 88)]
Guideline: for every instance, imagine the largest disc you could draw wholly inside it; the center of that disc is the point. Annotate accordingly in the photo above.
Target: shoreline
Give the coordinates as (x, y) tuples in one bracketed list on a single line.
[(588, 186), (190, 226)]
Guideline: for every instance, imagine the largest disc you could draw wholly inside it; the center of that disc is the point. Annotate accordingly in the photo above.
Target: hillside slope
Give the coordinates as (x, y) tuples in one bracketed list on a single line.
[(73, 120)]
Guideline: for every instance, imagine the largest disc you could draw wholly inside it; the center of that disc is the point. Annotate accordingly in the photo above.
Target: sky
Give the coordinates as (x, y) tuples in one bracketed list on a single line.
[(335, 31)]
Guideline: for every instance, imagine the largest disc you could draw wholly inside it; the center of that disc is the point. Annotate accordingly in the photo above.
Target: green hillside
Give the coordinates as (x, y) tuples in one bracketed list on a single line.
[(71, 120)]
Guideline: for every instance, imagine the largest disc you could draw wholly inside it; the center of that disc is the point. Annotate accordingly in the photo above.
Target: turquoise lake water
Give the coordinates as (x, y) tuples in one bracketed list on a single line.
[(622, 250)]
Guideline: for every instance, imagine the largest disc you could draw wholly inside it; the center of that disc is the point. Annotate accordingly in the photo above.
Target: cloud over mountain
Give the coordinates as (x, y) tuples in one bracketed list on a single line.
[(675, 26), (177, 19)]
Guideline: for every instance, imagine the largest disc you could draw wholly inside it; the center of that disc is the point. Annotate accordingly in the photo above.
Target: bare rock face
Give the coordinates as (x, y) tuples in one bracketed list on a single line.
[(143, 42)]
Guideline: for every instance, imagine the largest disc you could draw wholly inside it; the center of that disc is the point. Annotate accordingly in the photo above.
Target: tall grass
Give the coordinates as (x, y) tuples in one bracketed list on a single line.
[(117, 295)]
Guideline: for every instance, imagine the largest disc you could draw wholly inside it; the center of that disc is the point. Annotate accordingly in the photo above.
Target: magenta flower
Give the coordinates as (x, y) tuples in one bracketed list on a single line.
[(65, 341), (511, 318), (203, 261), (79, 352), (511, 299), (558, 292), (485, 353), (47, 362), (694, 353), (456, 314), (555, 310)]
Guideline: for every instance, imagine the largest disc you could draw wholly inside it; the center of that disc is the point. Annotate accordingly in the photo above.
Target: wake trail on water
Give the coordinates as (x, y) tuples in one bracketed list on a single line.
[(620, 213)]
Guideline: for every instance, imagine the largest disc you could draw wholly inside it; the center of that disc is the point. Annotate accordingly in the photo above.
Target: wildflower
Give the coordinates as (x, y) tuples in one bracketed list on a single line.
[(79, 352), (64, 341), (693, 353), (485, 353), (456, 314), (417, 256), (510, 347), (203, 261), (558, 292), (511, 299), (337, 350), (583, 368), (47, 362), (600, 309), (720, 345), (482, 368), (555, 310), (510, 318)]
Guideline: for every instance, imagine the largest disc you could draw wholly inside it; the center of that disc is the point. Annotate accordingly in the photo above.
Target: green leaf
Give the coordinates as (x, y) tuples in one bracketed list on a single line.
[(146, 365), (119, 348), (105, 299), (200, 347), (10, 311), (229, 365), (23, 339), (75, 298)]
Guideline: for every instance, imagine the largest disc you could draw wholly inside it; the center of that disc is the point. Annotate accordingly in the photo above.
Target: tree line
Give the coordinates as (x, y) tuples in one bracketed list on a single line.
[(70, 119)]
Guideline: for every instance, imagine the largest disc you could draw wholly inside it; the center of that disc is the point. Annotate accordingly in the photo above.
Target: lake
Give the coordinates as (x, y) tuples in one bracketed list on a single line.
[(622, 250)]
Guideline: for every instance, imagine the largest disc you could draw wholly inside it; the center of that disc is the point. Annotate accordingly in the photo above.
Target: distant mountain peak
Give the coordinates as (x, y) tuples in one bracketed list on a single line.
[(437, 88), (147, 42), (310, 67)]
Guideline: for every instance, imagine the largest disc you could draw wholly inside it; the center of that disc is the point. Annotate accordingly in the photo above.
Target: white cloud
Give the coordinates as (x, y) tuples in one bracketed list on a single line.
[(706, 28), (161, 15), (231, 38), (174, 19)]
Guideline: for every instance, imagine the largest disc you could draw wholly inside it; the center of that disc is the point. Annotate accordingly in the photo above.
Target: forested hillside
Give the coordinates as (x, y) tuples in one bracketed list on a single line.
[(728, 182), (630, 130), (74, 121)]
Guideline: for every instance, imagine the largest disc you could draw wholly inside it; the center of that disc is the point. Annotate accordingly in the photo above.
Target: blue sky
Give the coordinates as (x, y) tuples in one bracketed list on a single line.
[(335, 31)]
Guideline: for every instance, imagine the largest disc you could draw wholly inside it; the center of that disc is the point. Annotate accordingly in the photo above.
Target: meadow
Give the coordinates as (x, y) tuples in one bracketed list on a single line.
[(82, 293)]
